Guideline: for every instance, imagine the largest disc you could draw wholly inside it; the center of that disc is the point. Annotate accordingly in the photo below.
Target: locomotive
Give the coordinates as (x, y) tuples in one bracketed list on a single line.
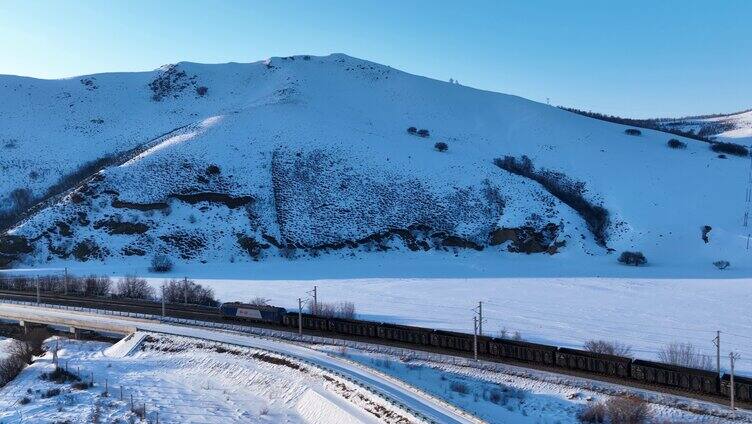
[(498, 349)]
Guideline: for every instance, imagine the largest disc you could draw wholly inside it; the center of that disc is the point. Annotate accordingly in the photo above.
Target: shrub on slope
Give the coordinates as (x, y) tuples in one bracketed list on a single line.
[(729, 148), (571, 193)]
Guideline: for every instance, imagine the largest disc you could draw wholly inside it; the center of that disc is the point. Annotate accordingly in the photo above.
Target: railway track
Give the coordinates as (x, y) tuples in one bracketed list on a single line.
[(210, 314)]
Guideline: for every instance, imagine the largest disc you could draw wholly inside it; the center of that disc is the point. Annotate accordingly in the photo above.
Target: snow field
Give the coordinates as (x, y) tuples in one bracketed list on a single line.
[(517, 395), (189, 381)]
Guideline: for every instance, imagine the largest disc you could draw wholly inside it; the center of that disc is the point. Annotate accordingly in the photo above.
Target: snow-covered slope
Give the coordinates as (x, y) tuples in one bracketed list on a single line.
[(735, 128), (306, 156)]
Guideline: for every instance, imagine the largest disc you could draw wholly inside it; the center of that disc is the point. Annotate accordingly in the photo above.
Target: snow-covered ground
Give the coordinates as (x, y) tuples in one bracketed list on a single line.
[(190, 380), (395, 391), (517, 395), (185, 380)]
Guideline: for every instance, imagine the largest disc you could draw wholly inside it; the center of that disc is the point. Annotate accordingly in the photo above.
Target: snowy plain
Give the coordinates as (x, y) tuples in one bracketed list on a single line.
[(183, 380)]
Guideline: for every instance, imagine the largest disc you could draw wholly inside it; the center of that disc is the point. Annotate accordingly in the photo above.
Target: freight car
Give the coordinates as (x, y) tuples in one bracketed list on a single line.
[(451, 340), (598, 363), (690, 379), (522, 351), (742, 387), (248, 312), (405, 334)]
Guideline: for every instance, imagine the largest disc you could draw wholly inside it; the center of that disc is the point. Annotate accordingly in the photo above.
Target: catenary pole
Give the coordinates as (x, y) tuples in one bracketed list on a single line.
[(480, 318), (163, 301), (475, 338), (300, 316), (732, 357), (717, 343), (185, 290)]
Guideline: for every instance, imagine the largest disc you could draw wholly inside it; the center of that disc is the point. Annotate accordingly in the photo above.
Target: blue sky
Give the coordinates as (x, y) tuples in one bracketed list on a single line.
[(632, 58)]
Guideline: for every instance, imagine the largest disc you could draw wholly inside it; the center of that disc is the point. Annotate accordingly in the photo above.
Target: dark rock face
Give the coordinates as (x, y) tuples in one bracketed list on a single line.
[(139, 206), (14, 245), (12, 248), (528, 239), (225, 199), (133, 251), (252, 246), (416, 238), (88, 249), (64, 229), (118, 227), (188, 244)]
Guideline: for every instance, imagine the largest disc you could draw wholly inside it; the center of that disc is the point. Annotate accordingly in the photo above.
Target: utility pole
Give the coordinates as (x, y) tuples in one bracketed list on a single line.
[(185, 290), (480, 318), (314, 293), (65, 282), (475, 338), (38, 295), (479, 313), (732, 357), (300, 316), (163, 302), (717, 343)]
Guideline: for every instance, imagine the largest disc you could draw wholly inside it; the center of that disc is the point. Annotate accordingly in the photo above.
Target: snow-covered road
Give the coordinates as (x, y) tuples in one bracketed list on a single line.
[(393, 389)]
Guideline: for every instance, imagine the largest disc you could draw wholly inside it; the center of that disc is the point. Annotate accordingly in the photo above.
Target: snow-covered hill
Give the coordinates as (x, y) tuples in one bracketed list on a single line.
[(734, 128), (294, 158)]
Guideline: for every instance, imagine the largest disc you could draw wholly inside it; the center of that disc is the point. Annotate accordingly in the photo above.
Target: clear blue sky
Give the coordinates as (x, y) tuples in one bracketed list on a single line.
[(632, 58)]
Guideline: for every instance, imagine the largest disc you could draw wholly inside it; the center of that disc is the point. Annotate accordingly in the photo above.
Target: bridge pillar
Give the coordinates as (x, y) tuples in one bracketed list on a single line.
[(28, 325)]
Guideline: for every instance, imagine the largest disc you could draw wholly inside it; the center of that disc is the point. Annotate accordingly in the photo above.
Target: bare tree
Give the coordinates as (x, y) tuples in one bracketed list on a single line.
[(627, 410), (187, 291), (132, 287), (259, 301), (608, 347), (616, 410), (31, 344), (96, 286), (685, 355), (334, 310), (161, 263)]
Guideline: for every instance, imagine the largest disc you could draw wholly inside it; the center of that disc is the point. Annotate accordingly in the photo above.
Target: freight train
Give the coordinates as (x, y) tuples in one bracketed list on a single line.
[(497, 349)]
